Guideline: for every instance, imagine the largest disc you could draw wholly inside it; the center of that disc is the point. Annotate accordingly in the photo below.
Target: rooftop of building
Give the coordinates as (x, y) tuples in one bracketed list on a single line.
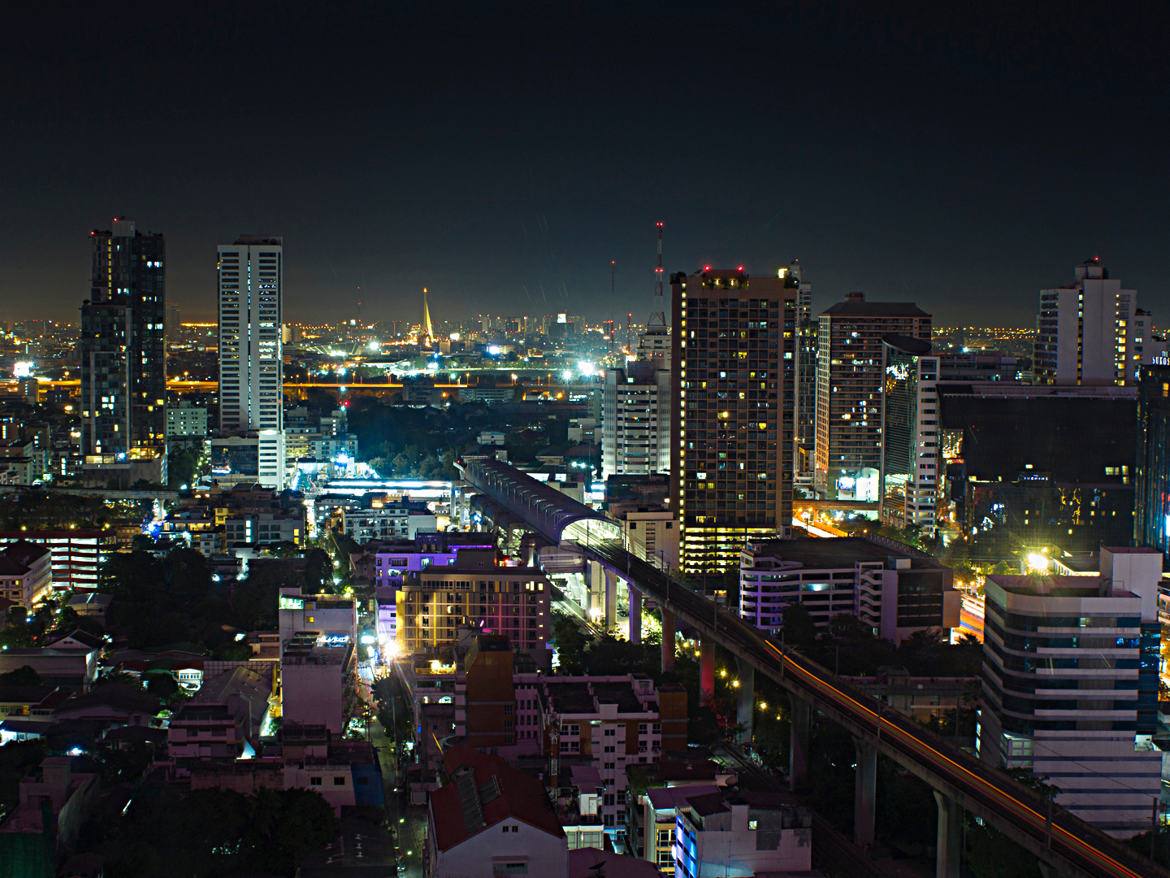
[(201, 713), (482, 791), (838, 552), (18, 558), (323, 601), (1051, 586), (67, 640), (477, 566), (908, 344), (664, 798), (855, 305), (569, 697), (620, 694), (254, 240), (1014, 390), (55, 534), (596, 863)]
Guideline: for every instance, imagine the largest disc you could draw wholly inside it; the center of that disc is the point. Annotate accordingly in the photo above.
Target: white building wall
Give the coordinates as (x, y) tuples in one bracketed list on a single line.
[(1100, 339), (1108, 777), (271, 456), (635, 429)]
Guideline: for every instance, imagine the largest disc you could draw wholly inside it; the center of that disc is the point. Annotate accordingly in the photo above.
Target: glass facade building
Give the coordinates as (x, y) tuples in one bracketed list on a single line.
[(849, 391), (1151, 522), (123, 344)]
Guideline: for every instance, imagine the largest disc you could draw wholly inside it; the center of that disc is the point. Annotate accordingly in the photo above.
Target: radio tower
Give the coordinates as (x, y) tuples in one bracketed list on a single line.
[(659, 276)]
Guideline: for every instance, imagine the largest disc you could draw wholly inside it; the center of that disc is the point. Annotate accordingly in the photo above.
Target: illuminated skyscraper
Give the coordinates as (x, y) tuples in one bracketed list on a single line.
[(733, 376), (849, 391), (123, 344), (251, 393), (251, 388)]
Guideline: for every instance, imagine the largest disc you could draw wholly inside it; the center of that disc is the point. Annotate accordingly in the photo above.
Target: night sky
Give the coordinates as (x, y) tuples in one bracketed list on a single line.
[(503, 158)]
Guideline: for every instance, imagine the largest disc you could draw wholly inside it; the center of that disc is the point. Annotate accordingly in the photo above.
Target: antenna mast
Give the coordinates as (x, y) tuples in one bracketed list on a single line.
[(659, 276), (612, 325)]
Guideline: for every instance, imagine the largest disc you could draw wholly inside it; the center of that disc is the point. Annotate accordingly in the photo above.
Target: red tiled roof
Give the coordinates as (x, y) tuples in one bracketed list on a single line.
[(17, 559), (484, 790)]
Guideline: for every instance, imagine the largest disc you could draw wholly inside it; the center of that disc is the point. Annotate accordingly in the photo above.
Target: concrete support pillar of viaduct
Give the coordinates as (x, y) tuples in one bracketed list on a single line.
[(950, 836), (635, 614), (746, 702), (864, 793), (593, 586), (667, 640), (610, 600), (706, 671), (800, 724)]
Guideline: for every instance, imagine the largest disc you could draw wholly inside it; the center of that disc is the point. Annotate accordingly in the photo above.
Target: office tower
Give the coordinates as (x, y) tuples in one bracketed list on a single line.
[(251, 393), (1070, 685), (733, 378), (1092, 332), (635, 419), (849, 388), (1151, 516), (908, 475), (123, 344), (806, 376)]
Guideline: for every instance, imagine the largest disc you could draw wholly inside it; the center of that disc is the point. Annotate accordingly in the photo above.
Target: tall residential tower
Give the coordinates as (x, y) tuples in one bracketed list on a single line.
[(733, 377), (123, 344), (1092, 332), (251, 389), (250, 280)]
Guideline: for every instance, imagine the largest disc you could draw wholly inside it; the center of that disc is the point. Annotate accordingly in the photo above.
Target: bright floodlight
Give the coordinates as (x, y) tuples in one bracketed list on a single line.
[(1036, 562)]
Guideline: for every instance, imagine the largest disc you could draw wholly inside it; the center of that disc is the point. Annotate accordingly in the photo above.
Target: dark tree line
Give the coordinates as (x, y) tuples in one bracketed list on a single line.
[(214, 832)]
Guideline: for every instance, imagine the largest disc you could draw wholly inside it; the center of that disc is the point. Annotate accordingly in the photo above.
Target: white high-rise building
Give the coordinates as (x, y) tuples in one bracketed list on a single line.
[(635, 419), (1092, 332), (655, 344), (1070, 685), (908, 475), (251, 392)]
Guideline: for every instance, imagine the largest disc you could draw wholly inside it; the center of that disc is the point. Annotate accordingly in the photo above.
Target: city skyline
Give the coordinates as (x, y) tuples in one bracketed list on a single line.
[(503, 162)]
